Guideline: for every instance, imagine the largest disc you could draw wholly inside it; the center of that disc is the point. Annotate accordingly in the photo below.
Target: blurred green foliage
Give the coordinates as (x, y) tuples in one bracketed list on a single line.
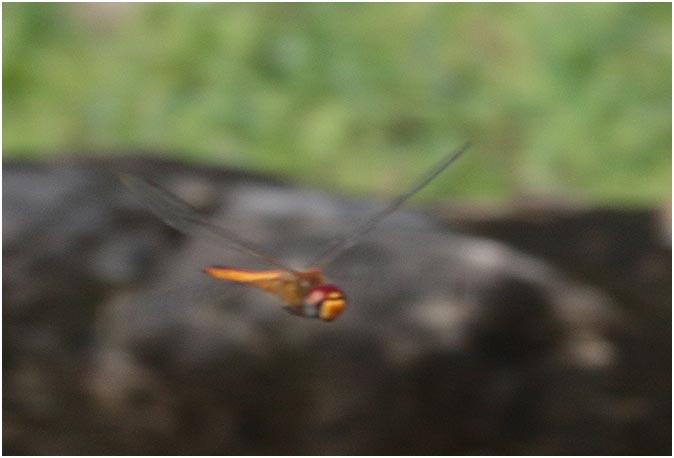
[(567, 100)]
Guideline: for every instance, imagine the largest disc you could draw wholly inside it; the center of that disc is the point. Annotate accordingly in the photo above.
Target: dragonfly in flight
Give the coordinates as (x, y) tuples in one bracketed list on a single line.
[(306, 292)]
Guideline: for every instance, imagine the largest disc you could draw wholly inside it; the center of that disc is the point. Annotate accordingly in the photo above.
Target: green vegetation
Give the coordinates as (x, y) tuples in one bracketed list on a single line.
[(570, 100)]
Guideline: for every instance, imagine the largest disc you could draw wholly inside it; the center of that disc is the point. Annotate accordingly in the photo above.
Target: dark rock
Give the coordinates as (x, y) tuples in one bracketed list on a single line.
[(116, 343)]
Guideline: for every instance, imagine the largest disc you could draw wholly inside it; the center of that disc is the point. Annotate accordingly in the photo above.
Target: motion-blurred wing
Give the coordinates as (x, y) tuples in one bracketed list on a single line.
[(181, 216), (342, 243)]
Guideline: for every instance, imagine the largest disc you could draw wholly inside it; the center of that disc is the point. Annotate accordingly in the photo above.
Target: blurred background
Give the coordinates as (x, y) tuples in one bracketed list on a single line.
[(570, 100), (540, 265)]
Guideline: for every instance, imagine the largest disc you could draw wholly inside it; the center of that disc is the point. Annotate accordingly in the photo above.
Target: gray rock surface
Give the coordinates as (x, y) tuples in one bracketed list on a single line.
[(453, 343)]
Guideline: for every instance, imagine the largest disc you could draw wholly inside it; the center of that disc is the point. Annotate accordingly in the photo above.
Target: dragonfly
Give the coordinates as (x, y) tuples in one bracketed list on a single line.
[(306, 293)]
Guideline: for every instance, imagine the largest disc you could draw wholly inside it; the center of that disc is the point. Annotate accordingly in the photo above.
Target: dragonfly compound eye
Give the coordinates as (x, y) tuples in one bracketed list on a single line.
[(327, 300)]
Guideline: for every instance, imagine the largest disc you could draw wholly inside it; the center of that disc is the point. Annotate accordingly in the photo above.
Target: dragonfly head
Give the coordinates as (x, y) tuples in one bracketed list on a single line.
[(326, 302)]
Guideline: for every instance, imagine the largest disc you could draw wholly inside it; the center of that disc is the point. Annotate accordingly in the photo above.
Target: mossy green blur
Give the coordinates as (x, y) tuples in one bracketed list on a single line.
[(568, 100)]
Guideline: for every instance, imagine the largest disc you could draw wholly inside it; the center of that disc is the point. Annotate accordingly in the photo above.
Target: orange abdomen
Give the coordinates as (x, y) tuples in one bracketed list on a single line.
[(291, 287)]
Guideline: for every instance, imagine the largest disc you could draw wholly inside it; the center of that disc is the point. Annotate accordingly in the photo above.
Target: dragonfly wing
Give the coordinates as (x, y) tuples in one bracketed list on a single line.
[(342, 243), (181, 216)]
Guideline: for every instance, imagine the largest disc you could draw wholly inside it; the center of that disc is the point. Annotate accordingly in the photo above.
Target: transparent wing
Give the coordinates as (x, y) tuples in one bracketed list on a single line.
[(181, 216), (342, 243)]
